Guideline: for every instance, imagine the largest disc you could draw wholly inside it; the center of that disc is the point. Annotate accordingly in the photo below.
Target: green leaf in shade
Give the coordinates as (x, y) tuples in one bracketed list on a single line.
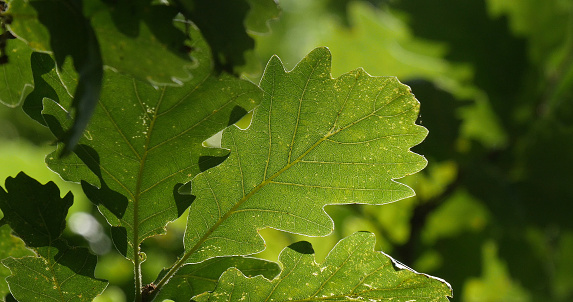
[(145, 142), (122, 28), (194, 279), (16, 76), (37, 214), (351, 271), (70, 34), (313, 141)]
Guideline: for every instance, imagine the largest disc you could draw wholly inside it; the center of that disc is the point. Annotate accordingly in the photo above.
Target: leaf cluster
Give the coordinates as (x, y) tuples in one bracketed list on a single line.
[(494, 79), (134, 91)]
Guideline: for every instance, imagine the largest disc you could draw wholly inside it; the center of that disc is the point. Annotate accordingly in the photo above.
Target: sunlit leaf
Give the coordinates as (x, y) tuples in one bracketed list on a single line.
[(352, 271), (313, 141), (37, 214)]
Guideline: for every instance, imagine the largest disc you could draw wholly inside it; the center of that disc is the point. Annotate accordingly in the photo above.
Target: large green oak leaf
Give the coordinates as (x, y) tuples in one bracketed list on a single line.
[(352, 271), (58, 272), (145, 142), (313, 141)]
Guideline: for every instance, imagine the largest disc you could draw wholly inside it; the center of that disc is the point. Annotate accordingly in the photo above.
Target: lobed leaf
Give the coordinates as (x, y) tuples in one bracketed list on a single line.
[(145, 142), (194, 279), (313, 141), (37, 213), (351, 271)]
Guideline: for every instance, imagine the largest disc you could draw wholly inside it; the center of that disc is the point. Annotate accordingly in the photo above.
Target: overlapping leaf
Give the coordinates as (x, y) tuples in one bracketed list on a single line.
[(122, 29), (313, 141), (70, 34), (352, 271), (37, 214), (225, 23), (195, 279), (145, 142)]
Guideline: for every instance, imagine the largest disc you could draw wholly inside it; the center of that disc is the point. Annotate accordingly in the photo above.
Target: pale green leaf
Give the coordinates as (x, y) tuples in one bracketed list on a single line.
[(145, 142), (313, 141), (195, 279), (352, 271), (37, 214)]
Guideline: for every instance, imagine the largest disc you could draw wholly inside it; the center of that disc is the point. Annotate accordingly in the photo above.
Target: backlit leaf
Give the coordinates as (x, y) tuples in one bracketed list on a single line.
[(352, 271), (313, 141)]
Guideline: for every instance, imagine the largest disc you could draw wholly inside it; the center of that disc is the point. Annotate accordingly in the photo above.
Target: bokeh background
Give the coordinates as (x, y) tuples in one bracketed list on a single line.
[(493, 214)]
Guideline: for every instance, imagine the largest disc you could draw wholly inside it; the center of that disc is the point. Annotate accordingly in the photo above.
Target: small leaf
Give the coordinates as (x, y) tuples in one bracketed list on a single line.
[(313, 141), (194, 279), (37, 214), (9, 246), (16, 75), (351, 271)]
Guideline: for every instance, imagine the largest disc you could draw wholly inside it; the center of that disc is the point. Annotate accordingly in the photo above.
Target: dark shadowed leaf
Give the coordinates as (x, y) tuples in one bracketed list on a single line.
[(57, 272)]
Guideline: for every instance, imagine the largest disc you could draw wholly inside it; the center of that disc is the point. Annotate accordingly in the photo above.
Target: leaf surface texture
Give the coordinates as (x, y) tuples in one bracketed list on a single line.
[(313, 141), (352, 271)]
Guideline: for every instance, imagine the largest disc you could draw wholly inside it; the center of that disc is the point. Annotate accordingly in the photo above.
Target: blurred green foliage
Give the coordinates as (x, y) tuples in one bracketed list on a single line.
[(492, 214)]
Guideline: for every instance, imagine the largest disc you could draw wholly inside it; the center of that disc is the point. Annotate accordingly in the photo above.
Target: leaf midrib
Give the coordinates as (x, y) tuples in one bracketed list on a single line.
[(269, 180)]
